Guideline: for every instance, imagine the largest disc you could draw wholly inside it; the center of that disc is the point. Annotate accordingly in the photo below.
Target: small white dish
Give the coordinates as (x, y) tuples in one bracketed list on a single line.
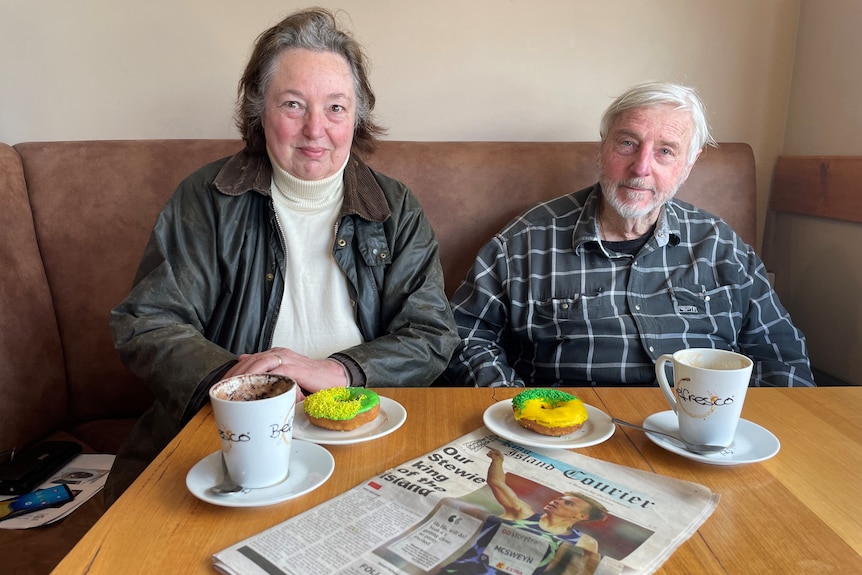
[(310, 467), (751, 444), (500, 419), (392, 416)]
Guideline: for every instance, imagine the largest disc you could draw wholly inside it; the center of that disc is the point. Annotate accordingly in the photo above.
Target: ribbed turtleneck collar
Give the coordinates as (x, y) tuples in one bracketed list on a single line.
[(306, 194)]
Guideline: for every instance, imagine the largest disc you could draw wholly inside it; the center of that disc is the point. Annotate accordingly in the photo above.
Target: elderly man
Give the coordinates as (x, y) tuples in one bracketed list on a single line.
[(592, 287)]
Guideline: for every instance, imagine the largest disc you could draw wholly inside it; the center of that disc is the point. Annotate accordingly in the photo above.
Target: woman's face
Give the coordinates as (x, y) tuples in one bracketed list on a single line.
[(310, 113)]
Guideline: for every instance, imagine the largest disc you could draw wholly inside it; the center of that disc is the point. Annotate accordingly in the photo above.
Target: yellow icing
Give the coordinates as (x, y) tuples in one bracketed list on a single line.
[(562, 414)]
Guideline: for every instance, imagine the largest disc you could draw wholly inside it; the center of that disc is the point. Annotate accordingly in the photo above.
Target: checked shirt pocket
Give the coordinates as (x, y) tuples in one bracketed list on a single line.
[(577, 307), (570, 319), (693, 301)]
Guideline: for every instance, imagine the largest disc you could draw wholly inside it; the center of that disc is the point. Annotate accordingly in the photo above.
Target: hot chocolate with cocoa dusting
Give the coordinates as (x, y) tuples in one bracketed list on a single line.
[(253, 387)]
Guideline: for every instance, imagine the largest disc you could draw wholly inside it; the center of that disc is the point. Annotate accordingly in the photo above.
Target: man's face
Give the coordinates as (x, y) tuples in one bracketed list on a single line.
[(644, 160), (568, 507)]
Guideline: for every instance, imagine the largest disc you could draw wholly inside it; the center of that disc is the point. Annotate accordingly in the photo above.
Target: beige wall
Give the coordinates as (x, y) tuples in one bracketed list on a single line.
[(818, 262), (442, 69), (825, 108)]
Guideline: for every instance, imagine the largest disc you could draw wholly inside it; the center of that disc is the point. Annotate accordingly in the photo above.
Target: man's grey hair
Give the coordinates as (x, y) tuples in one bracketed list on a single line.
[(660, 93)]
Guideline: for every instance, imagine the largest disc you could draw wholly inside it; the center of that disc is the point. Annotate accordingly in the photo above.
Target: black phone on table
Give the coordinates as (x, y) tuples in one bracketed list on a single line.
[(34, 465), (36, 500)]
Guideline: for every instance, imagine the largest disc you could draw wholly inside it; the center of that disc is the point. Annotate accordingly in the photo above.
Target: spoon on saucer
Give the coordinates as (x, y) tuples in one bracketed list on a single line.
[(227, 485), (693, 447)]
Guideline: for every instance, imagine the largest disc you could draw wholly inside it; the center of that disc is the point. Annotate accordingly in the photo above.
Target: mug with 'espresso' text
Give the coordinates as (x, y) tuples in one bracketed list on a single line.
[(707, 394)]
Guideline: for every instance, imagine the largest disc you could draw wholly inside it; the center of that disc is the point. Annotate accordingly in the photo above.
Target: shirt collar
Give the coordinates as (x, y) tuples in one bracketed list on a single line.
[(667, 227)]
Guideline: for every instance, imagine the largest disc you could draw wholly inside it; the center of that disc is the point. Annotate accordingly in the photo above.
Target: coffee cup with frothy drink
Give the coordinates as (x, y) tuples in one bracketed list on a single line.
[(254, 417), (707, 393)]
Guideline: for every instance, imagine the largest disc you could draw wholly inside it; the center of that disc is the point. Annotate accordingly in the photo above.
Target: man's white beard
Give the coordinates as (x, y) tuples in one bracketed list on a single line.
[(636, 209)]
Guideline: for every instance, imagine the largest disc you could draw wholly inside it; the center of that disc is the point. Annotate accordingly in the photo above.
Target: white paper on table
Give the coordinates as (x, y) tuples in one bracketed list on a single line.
[(85, 475)]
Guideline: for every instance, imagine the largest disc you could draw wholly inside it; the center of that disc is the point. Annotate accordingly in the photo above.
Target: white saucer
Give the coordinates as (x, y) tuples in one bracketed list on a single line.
[(310, 466), (500, 419), (392, 416), (752, 443)]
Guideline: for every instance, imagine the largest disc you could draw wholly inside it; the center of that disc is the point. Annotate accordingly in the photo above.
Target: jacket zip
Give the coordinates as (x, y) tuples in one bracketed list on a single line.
[(283, 241)]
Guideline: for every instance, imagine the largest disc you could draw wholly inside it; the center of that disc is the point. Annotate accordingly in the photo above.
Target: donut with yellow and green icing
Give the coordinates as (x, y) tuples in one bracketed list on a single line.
[(549, 411), (342, 408)]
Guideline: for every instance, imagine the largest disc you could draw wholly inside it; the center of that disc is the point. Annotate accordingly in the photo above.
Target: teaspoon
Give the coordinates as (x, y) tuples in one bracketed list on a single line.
[(227, 485), (693, 447)]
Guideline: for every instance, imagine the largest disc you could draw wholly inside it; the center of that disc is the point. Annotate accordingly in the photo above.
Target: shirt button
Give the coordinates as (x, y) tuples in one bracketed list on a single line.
[(565, 306), (269, 277), (652, 349), (637, 308)]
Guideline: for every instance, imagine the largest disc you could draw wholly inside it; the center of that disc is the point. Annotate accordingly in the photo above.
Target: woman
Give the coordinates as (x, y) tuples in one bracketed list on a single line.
[(291, 257)]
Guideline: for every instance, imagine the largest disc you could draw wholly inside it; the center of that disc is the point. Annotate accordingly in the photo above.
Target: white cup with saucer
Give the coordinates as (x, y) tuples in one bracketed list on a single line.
[(254, 416), (707, 393)]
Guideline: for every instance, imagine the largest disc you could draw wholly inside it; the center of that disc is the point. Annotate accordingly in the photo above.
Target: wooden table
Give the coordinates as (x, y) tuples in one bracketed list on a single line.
[(799, 512)]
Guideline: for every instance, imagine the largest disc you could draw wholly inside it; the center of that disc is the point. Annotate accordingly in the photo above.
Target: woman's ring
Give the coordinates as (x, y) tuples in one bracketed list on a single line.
[(279, 360)]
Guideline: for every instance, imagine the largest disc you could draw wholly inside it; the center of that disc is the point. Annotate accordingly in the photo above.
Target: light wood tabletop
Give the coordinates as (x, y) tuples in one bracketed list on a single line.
[(798, 512)]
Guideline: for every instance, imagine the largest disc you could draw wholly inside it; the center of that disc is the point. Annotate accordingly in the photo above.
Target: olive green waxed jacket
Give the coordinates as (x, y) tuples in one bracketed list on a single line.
[(211, 281)]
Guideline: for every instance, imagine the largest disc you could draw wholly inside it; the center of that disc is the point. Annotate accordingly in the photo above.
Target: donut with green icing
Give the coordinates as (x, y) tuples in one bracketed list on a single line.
[(549, 411), (342, 408)]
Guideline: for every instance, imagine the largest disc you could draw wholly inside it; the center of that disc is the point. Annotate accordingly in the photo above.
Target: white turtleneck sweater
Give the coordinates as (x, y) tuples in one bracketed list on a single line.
[(316, 317)]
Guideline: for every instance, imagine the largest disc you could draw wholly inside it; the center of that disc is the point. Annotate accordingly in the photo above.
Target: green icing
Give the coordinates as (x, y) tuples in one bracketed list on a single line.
[(340, 403), (552, 396)]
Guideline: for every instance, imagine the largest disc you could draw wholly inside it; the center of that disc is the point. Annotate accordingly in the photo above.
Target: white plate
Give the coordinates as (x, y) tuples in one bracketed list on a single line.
[(752, 443), (310, 467), (500, 419), (392, 416)]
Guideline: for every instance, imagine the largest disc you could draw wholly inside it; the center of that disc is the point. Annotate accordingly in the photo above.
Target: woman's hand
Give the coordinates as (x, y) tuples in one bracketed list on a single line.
[(309, 374)]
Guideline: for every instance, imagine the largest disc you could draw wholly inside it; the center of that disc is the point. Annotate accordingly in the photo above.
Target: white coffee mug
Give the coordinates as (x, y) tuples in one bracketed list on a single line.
[(710, 387), (254, 417)]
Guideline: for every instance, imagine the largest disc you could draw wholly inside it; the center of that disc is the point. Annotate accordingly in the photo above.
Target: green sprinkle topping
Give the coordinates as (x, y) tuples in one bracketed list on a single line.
[(552, 396), (340, 403)]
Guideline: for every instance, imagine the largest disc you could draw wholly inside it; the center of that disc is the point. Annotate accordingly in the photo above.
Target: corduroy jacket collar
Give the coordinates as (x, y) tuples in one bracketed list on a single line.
[(245, 172)]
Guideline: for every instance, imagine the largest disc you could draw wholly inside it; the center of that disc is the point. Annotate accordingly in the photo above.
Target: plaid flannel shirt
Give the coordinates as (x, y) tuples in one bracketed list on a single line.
[(546, 303)]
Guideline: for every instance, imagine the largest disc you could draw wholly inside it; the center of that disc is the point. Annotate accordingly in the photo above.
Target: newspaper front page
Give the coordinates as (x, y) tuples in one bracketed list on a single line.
[(485, 505)]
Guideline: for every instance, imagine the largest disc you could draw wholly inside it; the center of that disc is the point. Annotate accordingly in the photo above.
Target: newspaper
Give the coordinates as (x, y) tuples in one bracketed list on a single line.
[(85, 475), (485, 505)]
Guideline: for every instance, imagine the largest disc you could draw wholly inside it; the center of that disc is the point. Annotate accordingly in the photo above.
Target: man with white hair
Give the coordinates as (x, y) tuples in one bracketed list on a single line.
[(592, 287)]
